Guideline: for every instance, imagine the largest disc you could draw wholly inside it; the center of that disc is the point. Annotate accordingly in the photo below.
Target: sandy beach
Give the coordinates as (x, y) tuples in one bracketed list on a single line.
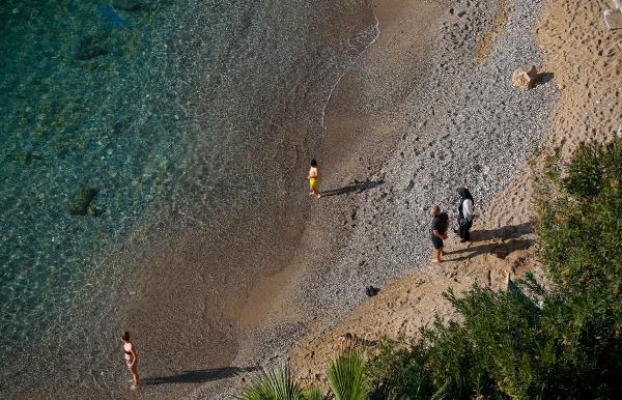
[(415, 116), (582, 60), (422, 103), (420, 113)]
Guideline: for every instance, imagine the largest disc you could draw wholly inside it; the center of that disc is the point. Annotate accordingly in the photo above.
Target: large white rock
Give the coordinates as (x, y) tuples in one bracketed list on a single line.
[(525, 77), (613, 19)]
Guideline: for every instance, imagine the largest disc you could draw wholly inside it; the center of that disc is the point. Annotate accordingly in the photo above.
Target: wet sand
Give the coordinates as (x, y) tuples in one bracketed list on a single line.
[(184, 271), (253, 313), (203, 291)]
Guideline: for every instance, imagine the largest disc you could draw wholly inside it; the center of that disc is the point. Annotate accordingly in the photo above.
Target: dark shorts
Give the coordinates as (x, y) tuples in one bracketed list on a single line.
[(437, 242)]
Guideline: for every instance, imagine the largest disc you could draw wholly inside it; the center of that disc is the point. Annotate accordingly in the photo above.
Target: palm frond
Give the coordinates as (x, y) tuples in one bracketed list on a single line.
[(313, 393), (275, 384), (346, 376)]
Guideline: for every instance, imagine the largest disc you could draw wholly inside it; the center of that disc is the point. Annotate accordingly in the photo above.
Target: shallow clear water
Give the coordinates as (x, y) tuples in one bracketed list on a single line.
[(72, 117), (174, 104)]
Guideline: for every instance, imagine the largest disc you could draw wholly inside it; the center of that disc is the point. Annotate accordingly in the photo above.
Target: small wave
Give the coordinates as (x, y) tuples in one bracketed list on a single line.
[(359, 44)]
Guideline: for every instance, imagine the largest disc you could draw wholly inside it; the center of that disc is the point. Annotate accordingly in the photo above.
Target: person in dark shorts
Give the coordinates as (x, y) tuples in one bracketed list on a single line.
[(439, 232)]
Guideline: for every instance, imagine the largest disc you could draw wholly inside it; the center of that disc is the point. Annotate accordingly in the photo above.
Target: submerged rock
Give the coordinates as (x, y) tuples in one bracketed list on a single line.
[(93, 210), (81, 202), (88, 48), (126, 5), (525, 77)]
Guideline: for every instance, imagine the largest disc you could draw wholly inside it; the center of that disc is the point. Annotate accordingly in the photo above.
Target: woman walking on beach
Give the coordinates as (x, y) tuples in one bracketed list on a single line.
[(131, 357), (465, 214), (314, 177)]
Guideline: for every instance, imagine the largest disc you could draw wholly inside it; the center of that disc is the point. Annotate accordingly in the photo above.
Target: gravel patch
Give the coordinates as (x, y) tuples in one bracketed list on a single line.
[(467, 127)]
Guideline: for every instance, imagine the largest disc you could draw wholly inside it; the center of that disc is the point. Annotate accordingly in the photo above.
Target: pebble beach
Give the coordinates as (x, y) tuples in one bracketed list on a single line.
[(154, 158)]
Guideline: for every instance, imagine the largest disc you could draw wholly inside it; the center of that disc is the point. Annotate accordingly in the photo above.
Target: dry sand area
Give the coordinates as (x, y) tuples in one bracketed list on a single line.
[(584, 61)]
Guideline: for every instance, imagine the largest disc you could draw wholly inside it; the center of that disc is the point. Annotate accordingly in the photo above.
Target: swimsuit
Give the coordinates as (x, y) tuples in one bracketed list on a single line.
[(313, 183), (128, 361)]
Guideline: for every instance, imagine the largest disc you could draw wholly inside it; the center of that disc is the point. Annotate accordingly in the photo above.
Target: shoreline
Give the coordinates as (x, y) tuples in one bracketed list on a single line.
[(367, 236), (504, 231), (180, 277), (427, 107), (208, 270), (383, 229)]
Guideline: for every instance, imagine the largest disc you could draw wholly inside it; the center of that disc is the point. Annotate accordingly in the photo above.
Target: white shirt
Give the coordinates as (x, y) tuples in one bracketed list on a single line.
[(467, 209)]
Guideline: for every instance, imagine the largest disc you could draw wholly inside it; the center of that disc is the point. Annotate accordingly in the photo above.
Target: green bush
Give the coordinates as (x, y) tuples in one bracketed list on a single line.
[(527, 342), (581, 229), (275, 384), (595, 168), (346, 377), (507, 347)]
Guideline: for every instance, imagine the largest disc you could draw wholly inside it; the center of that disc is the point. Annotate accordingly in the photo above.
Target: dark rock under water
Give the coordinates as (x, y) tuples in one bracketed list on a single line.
[(81, 201), (89, 48)]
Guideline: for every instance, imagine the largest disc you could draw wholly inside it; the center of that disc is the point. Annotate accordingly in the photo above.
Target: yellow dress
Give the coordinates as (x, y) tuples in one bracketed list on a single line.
[(313, 183), (313, 180)]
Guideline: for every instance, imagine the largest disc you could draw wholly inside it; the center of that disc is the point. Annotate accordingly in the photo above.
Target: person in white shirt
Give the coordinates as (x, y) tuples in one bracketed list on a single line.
[(465, 214)]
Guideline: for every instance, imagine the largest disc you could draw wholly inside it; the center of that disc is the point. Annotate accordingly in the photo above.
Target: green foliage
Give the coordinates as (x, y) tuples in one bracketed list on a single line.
[(313, 393), (582, 228), (594, 169), (276, 384), (399, 369), (507, 347), (346, 376), (527, 342)]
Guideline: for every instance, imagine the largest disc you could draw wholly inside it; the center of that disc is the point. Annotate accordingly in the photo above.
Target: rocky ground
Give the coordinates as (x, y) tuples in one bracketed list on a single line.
[(461, 124)]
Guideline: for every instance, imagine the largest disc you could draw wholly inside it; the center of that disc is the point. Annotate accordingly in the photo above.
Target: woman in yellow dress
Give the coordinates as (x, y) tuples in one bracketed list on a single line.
[(314, 177)]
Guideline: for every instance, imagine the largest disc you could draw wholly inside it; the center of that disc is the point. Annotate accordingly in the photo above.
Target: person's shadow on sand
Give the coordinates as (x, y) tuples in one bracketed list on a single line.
[(198, 376), (507, 232), (358, 187), (501, 250)]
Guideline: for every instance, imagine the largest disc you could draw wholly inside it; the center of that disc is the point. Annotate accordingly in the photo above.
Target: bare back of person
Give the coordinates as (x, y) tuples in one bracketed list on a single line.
[(131, 359)]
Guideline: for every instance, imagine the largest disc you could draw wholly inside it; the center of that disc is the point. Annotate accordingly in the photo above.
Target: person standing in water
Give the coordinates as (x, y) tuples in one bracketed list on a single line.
[(314, 177), (465, 214), (131, 357), (440, 221)]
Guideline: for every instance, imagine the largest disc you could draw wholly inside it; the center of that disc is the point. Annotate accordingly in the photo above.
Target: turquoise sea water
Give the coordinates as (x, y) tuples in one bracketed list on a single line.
[(72, 120), (136, 100)]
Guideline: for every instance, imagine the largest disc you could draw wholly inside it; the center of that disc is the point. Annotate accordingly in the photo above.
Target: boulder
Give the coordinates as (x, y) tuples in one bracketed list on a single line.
[(82, 200), (525, 77), (613, 19)]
